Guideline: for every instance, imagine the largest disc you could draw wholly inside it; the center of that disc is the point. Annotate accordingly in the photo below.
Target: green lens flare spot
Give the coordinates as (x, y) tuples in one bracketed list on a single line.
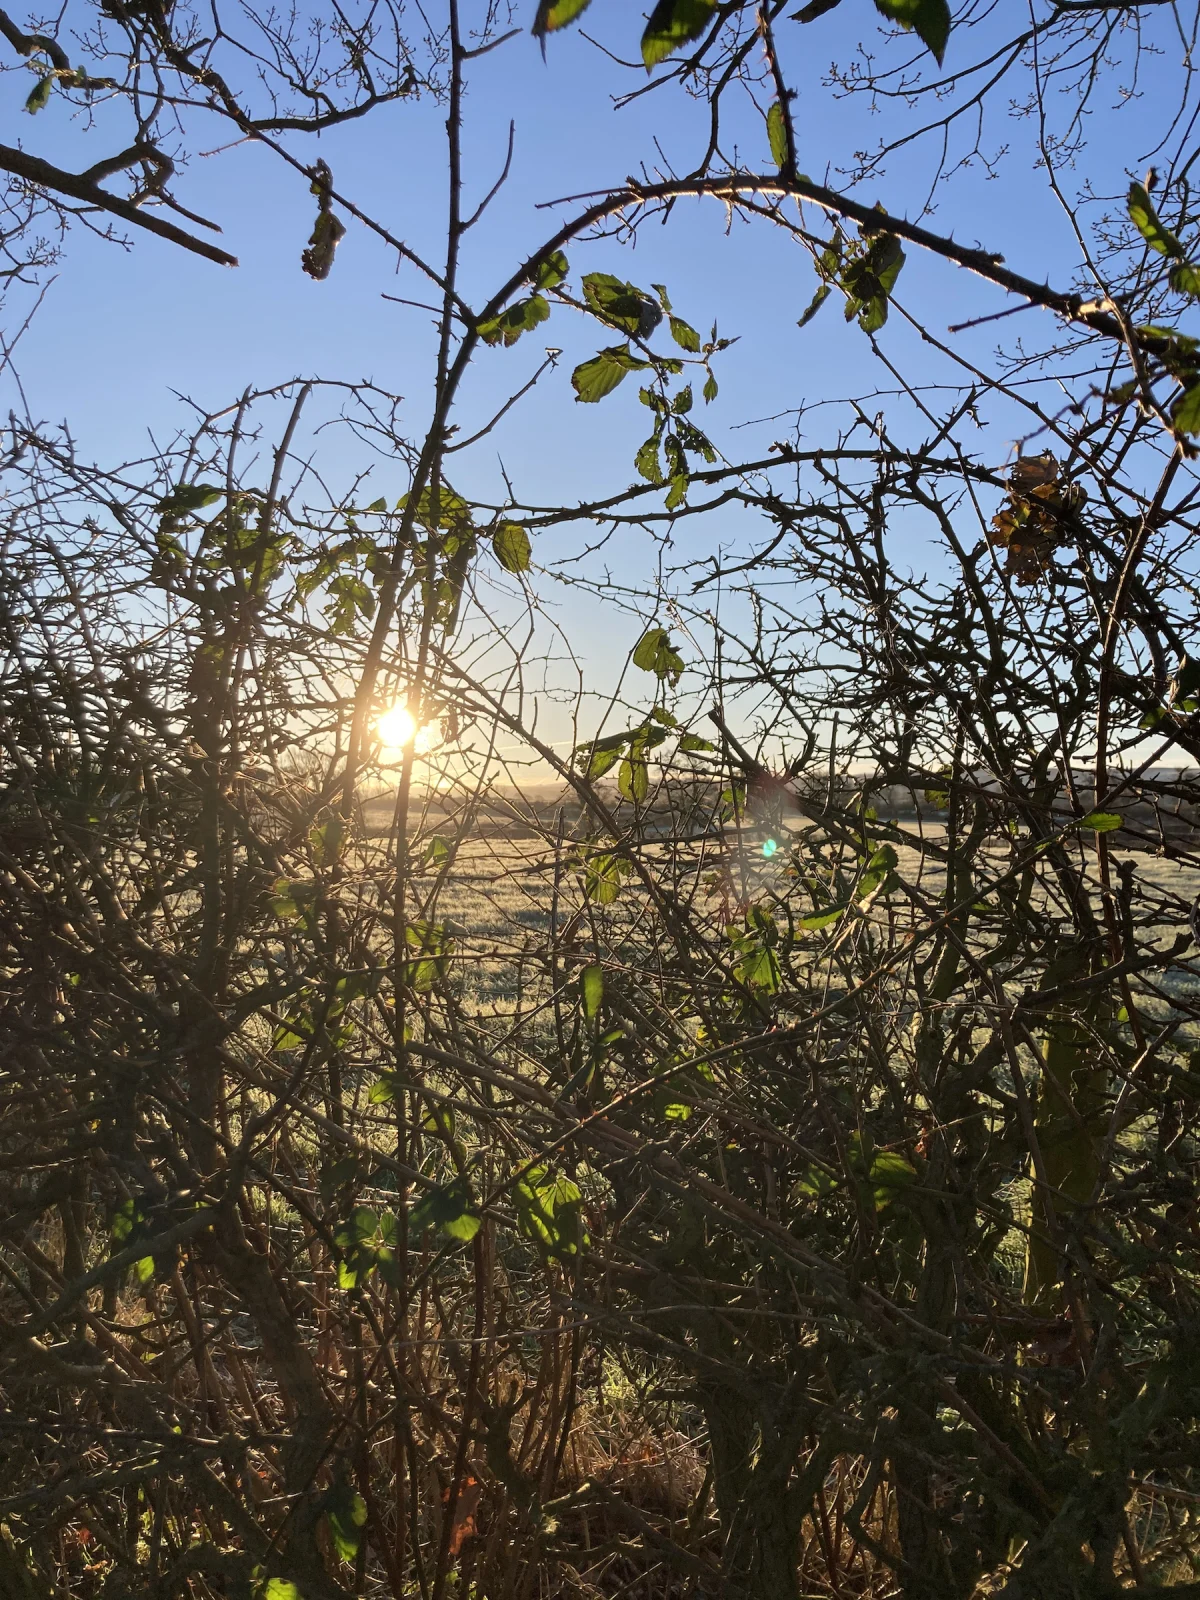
[(769, 847)]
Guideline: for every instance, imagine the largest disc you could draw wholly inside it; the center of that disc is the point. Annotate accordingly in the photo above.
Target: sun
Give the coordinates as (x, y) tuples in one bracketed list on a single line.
[(396, 727)]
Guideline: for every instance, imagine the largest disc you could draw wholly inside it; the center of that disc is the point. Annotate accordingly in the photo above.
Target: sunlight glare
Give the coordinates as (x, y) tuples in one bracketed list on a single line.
[(396, 727)]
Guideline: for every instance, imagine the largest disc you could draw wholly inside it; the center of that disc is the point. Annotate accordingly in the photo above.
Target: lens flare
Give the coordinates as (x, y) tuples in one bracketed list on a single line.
[(769, 847), (396, 727)]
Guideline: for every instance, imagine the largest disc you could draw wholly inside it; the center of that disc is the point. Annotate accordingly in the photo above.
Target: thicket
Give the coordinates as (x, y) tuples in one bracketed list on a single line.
[(769, 1168)]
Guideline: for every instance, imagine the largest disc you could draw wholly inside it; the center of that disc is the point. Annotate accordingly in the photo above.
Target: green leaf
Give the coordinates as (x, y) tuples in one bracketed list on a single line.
[(822, 918), (519, 318), (1101, 821), (633, 780), (602, 879), (125, 1217), (281, 1589), (433, 943), (647, 462), (1184, 278), (292, 897), (879, 871), (189, 497), (443, 510), (439, 1120), (928, 19), (39, 96), (1145, 219), (759, 968), (682, 402), (1186, 415), (940, 797), (621, 305), (591, 984), (655, 653), (378, 505), (890, 1173), (814, 1183), (777, 134), (511, 544), (684, 335), (601, 762), (384, 1089), (325, 839), (677, 493), (673, 23), (347, 1514), (814, 305), (593, 379), (693, 743), (550, 1213), (869, 280), (691, 438), (448, 1208), (555, 14), (710, 389), (551, 271)]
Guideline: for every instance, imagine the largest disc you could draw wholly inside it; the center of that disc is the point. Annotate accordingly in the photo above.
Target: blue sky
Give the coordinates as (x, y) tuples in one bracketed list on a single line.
[(120, 330), (122, 333)]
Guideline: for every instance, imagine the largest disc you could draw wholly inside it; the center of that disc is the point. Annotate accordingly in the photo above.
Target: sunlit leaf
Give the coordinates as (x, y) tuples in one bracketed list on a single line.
[(291, 897), (813, 1184), (549, 1212), (448, 1208), (508, 326), (591, 984), (593, 379), (647, 461), (928, 19), (655, 653), (777, 135), (189, 497), (1101, 821), (384, 1089), (1186, 415), (621, 305), (602, 879), (879, 871), (890, 1174), (511, 545), (1145, 219), (555, 14), (673, 23), (346, 1511), (822, 918), (684, 335), (39, 96), (633, 780), (551, 271)]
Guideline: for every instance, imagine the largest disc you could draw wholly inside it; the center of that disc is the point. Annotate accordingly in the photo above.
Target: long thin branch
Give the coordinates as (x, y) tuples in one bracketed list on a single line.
[(34, 170)]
